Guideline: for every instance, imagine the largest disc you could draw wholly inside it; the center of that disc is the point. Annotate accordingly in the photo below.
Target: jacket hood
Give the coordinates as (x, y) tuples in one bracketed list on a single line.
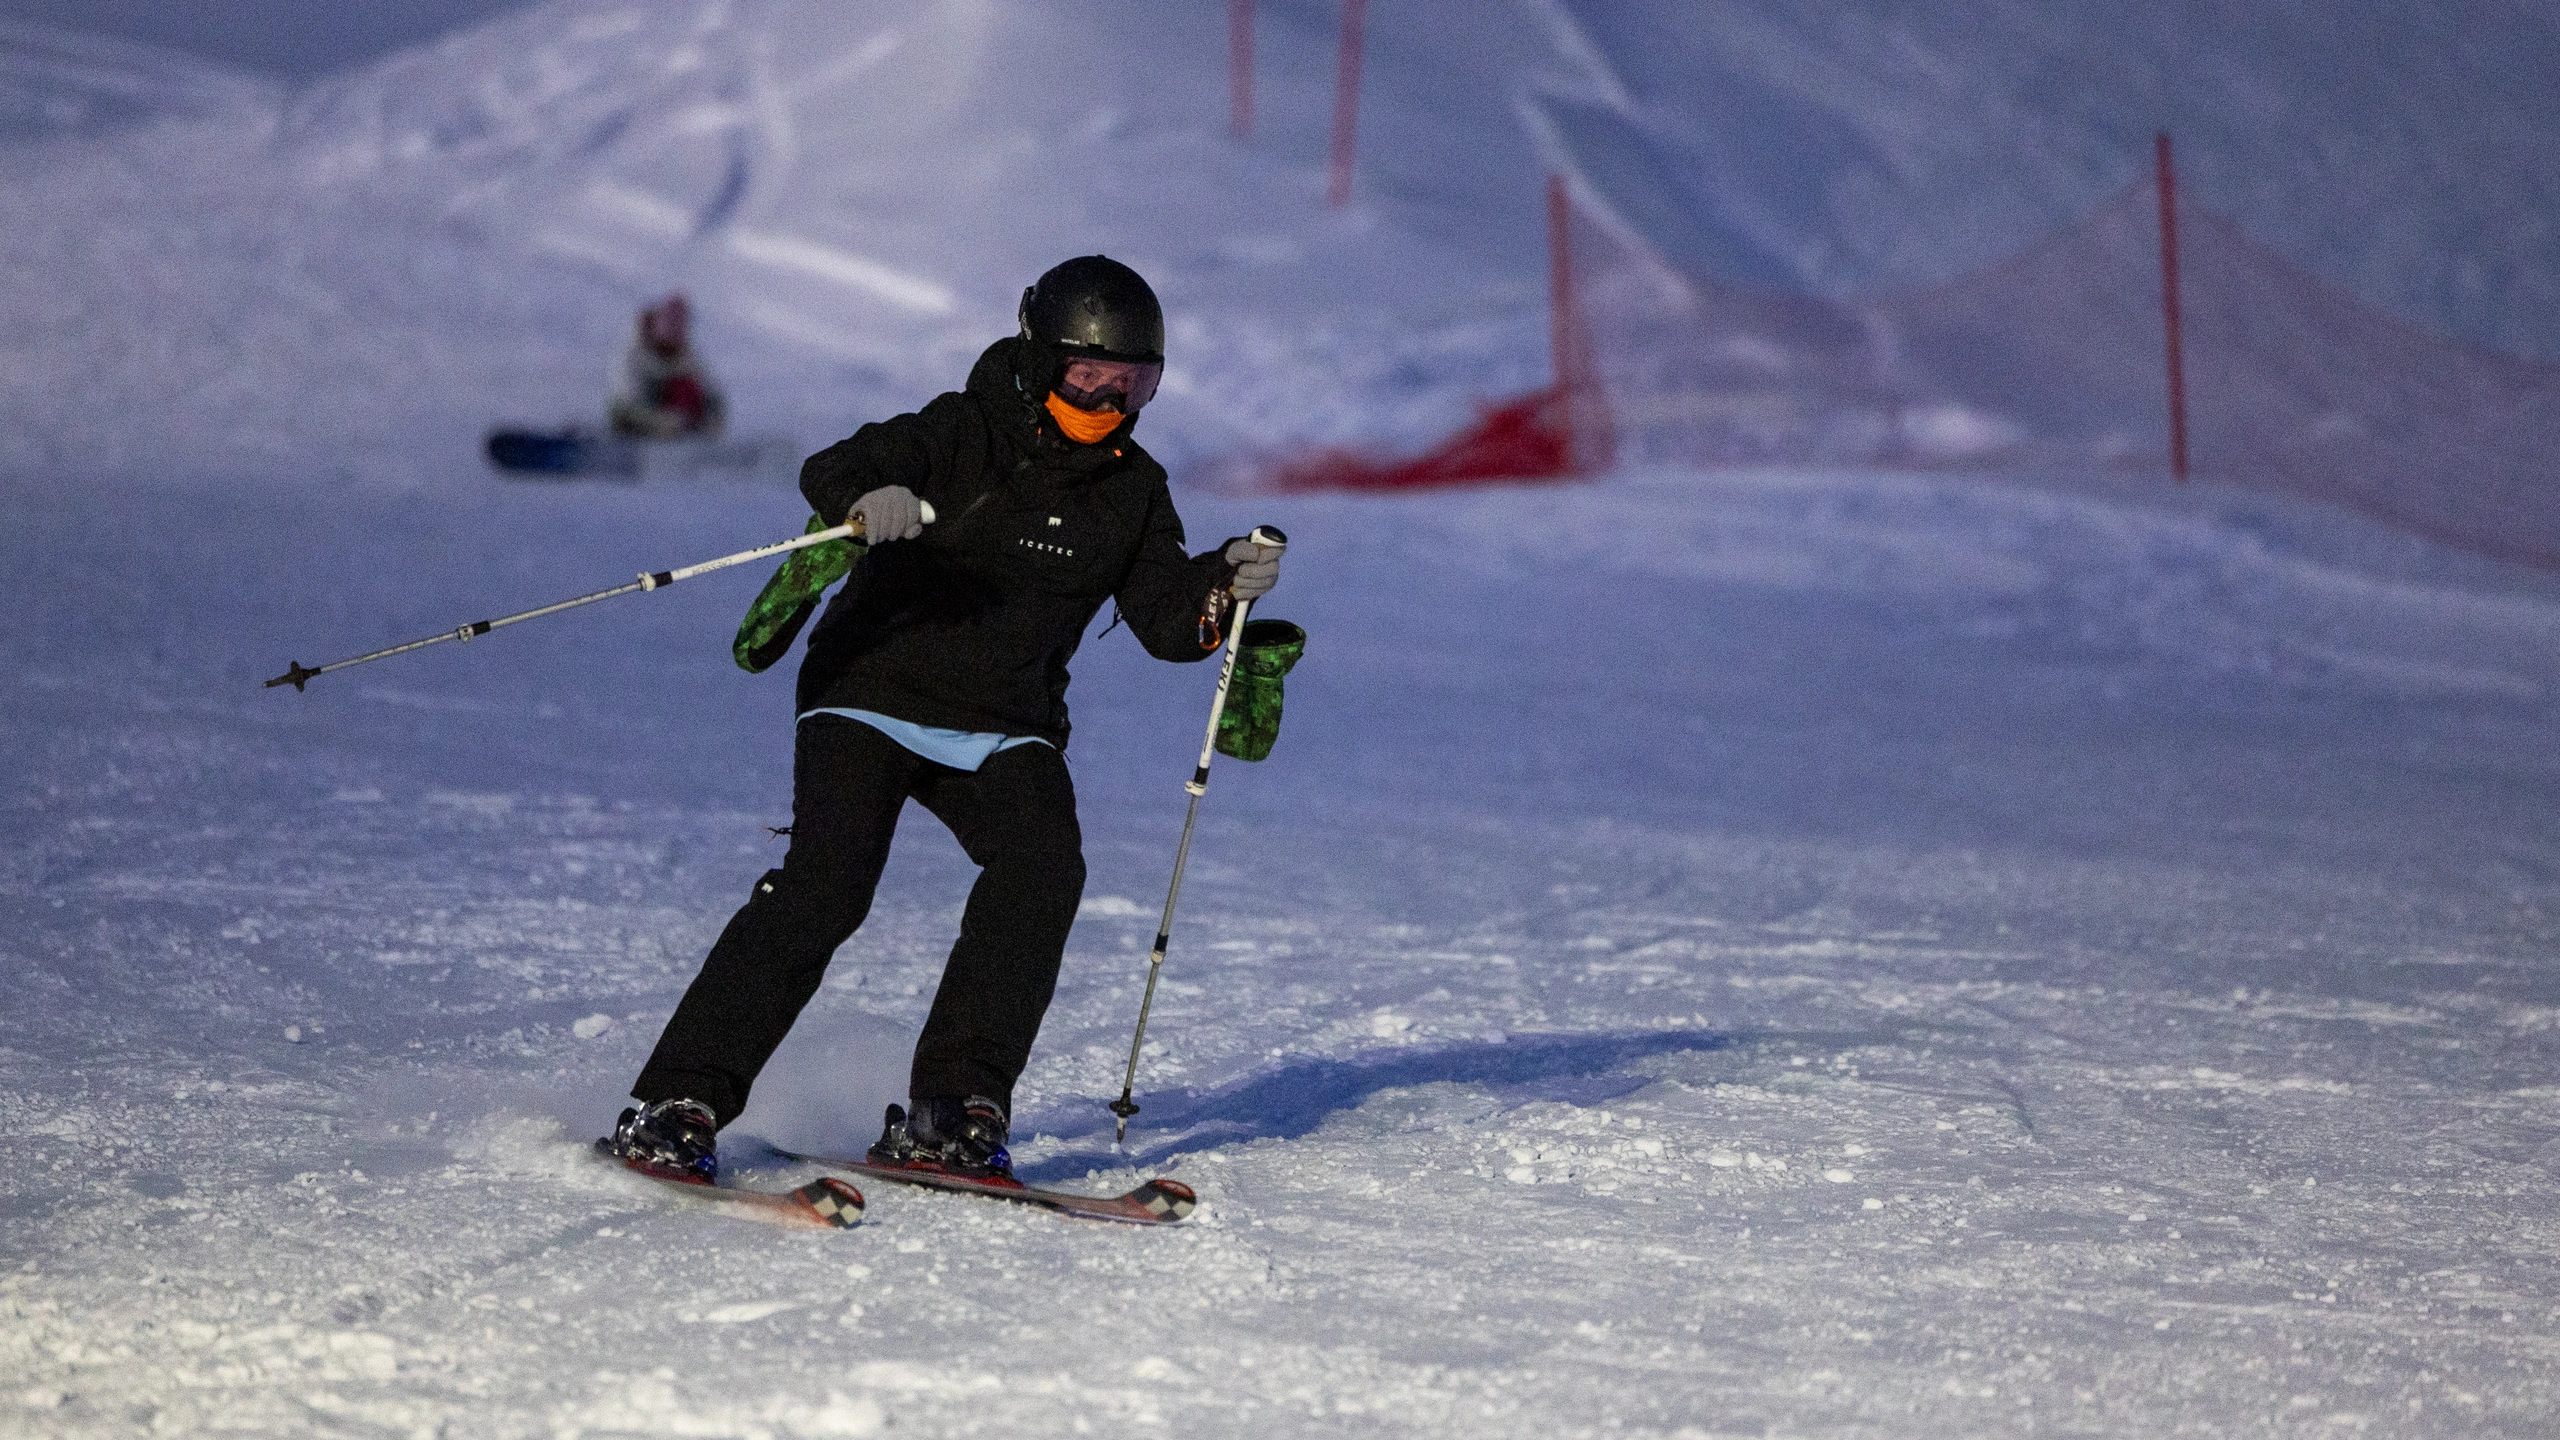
[(998, 375)]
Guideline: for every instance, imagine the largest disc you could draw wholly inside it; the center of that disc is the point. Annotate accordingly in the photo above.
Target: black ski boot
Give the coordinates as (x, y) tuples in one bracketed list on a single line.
[(675, 1138), (966, 1137)]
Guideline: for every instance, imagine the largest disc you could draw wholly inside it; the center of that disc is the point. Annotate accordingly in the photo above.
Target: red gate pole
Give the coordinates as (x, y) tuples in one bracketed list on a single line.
[(1346, 101), (1562, 348), (2170, 307), (1560, 287), (1240, 67)]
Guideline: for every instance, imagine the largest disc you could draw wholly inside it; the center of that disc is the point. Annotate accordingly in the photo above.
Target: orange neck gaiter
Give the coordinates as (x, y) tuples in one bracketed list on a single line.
[(1082, 426)]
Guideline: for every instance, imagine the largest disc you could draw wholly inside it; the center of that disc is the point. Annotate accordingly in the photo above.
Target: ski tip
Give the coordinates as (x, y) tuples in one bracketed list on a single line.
[(833, 1201), (1167, 1200)]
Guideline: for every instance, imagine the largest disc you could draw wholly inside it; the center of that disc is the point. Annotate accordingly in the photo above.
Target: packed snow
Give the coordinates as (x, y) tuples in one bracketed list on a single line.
[(1712, 954)]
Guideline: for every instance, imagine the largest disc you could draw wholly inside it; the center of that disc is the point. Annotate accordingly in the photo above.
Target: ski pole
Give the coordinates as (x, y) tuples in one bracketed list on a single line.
[(298, 676), (1269, 537)]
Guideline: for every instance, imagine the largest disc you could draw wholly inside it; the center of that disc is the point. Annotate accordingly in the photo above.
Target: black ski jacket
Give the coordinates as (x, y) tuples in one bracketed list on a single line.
[(970, 627)]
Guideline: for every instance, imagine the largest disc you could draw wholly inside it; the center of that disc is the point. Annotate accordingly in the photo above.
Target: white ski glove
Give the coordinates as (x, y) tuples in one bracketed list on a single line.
[(1257, 568), (891, 512)]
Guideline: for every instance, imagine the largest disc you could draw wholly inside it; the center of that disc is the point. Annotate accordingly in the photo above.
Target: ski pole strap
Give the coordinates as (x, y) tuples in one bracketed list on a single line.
[(1213, 618)]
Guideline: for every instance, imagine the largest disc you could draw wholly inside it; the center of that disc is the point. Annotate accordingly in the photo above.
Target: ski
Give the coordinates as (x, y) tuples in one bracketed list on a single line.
[(1157, 1202), (825, 1203)]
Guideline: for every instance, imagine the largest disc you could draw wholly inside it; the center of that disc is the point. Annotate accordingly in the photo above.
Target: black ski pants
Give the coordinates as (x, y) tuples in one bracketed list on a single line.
[(1015, 817)]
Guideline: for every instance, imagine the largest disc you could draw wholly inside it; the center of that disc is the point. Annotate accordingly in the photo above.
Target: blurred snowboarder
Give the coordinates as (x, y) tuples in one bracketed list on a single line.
[(939, 674), (661, 388)]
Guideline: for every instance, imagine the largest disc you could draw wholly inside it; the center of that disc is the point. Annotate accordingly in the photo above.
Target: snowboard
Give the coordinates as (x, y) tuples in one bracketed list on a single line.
[(824, 1203), (578, 452), (1157, 1202)]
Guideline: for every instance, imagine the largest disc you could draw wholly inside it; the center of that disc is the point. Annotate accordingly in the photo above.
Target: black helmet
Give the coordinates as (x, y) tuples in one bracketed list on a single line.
[(1097, 307)]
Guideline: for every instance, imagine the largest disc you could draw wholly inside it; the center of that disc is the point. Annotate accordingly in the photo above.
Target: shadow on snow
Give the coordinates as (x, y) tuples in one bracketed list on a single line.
[(1296, 1097)]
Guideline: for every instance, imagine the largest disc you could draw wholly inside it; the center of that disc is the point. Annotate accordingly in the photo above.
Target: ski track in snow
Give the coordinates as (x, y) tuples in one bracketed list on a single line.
[(1759, 953)]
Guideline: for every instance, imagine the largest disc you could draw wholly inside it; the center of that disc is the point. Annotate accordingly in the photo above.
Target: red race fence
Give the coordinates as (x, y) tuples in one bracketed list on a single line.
[(2054, 357)]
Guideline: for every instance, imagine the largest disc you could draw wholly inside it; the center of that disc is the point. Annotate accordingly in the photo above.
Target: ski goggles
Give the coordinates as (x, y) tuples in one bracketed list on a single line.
[(1122, 385)]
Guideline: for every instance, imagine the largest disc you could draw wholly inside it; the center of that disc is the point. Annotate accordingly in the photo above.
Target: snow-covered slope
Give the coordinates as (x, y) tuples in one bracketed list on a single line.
[(56, 82), (2408, 154), (366, 272)]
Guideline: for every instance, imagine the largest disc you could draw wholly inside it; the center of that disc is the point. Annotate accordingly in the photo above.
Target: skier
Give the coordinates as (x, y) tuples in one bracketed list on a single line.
[(939, 674), (661, 388)]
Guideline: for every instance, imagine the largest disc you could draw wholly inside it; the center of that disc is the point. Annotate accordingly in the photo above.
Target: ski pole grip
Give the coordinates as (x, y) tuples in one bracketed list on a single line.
[(924, 512), (1269, 537)]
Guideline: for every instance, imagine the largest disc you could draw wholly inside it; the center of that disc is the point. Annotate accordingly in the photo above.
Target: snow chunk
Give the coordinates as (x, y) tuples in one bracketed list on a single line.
[(841, 1415), (1114, 905), (362, 1355), (591, 1027), (747, 1311), (1952, 432), (641, 1405), (1839, 1177), (486, 806)]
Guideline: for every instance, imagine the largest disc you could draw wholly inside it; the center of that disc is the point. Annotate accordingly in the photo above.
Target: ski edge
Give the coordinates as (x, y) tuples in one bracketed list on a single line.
[(1159, 1201)]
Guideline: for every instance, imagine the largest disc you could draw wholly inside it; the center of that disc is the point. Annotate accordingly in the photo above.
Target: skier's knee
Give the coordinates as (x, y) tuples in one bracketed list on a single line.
[(833, 908), (1061, 886), (1066, 876), (1054, 857), (1049, 882)]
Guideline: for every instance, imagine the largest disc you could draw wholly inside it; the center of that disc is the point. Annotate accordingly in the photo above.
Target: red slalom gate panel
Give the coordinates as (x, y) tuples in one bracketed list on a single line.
[(1526, 439)]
